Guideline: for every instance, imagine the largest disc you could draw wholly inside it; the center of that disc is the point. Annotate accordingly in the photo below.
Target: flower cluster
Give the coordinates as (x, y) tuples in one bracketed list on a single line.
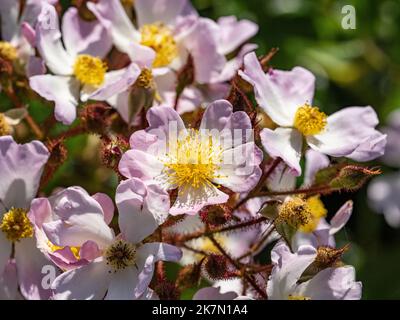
[(216, 159)]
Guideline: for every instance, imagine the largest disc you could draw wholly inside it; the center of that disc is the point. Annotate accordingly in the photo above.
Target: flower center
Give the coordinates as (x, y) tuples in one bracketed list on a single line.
[(294, 297), (90, 70), (120, 255), (5, 128), (16, 225), (74, 250), (8, 51), (194, 160), (309, 120), (317, 210), (295, 212), (145, 79), (159, 37)]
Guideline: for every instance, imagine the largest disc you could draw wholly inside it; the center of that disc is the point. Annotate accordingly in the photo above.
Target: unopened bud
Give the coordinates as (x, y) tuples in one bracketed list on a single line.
[(216, 215), (167, 290), (97, 117), (216, 267)]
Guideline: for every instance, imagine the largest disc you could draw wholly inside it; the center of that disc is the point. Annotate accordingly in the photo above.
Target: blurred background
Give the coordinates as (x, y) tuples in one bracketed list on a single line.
[(354, 67)]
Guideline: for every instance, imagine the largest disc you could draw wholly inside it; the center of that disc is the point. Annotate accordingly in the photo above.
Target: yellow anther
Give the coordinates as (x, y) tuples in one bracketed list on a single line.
[(309, 120)]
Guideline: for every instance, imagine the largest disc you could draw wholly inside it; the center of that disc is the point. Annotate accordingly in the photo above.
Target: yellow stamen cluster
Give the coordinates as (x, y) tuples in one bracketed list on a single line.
[(193, 161), (120, 255), (8, 51), (160, 38), (309, 120), (295, 212), (317, 210), (75, 250), (16, 225), (294, 297), (90, 70), (5, 128), (145, 79)]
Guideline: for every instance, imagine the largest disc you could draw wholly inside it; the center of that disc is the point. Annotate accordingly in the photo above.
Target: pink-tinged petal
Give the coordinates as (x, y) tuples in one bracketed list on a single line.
[(141, 55), (284, 143), (114, 18), (29, 33), (147, 255), (240, 169), (35, 67), (332, 284), (32, 10), (81, 219), (122, 284), (161, 119), (122, 103), (106, 204), (282, 178), (341, 217), (89, 282), (115, 83), (21, 166), (49, 44), (9, 282), (211, 293), (145, 275), (5, 252), (141, 140), (279, 93), (9, 12), (202, 43), (89, 251), (141, 209), (234, 33), (138, 164), (315, 161), (219, 115), (40, 211), (191, 201), (160, 251), (348, 133), (371, 148), (232, 66), (166, 11), (65, 259), (64, 91), (190, 99), (288, 269), (84, 37), (30, 262), (383, 194)]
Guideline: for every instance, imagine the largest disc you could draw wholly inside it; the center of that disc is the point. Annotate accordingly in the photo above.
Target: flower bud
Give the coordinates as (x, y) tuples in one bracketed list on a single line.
[(216, 215), (97, 117)]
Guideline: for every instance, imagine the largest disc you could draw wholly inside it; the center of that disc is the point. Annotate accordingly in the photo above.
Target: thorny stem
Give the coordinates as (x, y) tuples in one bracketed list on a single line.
[(31, 122), (160, 270), (202, 233), (238, 266), (257, 245), (71, 132), (256, 190), (310, 191)]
